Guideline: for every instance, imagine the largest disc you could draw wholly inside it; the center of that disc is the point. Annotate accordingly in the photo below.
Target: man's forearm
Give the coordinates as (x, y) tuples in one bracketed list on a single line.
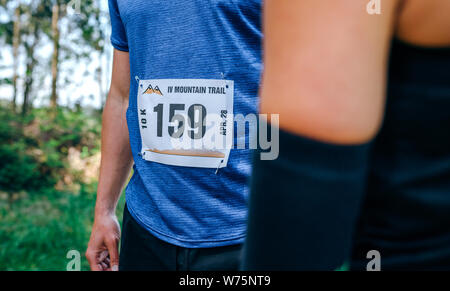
[(116, 158)]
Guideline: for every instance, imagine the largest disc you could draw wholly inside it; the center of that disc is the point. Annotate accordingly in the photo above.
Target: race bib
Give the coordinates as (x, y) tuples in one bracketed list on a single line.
[(186, 122)]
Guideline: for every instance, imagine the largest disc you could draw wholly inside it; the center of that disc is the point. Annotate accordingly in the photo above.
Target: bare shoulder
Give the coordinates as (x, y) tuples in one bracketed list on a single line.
[(425, 23)]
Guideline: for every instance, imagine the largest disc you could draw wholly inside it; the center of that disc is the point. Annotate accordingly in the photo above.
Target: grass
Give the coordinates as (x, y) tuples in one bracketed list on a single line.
[(40, 228)]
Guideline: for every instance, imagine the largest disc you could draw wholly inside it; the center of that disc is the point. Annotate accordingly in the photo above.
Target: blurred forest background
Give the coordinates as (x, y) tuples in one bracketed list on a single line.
[(55, 62)]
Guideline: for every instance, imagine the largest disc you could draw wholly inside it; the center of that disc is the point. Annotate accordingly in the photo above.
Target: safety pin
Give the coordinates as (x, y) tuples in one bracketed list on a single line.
[(218, 167)]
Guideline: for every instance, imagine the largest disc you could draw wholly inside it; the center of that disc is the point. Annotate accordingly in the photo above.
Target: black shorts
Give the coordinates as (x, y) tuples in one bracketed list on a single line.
[(141, 251)]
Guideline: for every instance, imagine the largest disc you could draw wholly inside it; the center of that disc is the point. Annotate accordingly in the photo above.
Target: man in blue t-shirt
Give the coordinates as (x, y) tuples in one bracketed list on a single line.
[(176, 63)]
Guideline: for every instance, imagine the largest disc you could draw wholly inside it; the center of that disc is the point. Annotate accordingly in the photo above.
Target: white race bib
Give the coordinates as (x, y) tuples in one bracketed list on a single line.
[(186, 122)]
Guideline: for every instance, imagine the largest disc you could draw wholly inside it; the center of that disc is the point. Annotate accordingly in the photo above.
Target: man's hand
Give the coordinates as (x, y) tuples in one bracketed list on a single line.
[(102, 252)]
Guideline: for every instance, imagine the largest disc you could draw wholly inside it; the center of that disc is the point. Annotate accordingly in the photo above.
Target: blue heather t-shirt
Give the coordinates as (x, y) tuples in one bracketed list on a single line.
[(190, 39)]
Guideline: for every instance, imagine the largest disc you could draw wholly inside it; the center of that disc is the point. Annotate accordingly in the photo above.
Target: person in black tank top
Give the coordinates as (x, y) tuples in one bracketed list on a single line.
[(406, 214), (364, 162)]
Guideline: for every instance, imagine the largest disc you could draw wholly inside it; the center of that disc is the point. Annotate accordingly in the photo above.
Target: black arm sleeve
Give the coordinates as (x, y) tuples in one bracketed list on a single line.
[(304, 205)]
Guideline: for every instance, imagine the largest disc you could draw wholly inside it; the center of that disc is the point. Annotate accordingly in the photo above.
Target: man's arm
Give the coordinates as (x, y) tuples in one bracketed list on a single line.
[(116, 161), (325, 67)]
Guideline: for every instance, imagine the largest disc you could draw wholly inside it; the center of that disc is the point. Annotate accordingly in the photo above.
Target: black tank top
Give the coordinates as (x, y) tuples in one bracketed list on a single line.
[(406, 213)]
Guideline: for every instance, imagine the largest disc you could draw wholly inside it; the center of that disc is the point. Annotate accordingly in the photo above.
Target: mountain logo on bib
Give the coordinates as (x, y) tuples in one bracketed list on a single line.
[(151, 90)]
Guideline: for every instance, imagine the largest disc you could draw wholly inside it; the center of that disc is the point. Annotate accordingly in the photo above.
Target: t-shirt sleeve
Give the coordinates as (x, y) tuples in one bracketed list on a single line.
[(118, 36)]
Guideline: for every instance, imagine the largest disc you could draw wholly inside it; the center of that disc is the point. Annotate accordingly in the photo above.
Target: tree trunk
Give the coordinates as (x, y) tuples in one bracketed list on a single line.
[(16, 43), (101, 51), (55, 57), (31, 64)]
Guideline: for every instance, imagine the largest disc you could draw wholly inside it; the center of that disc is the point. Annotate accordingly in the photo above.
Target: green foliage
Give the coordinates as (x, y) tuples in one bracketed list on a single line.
[(46, 206), (19, 170), (42, 228), (43, 224), (34, 150), (344, 267)]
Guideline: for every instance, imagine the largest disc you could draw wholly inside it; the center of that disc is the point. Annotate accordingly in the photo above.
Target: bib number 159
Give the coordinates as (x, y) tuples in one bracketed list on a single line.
[(196, 115)]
